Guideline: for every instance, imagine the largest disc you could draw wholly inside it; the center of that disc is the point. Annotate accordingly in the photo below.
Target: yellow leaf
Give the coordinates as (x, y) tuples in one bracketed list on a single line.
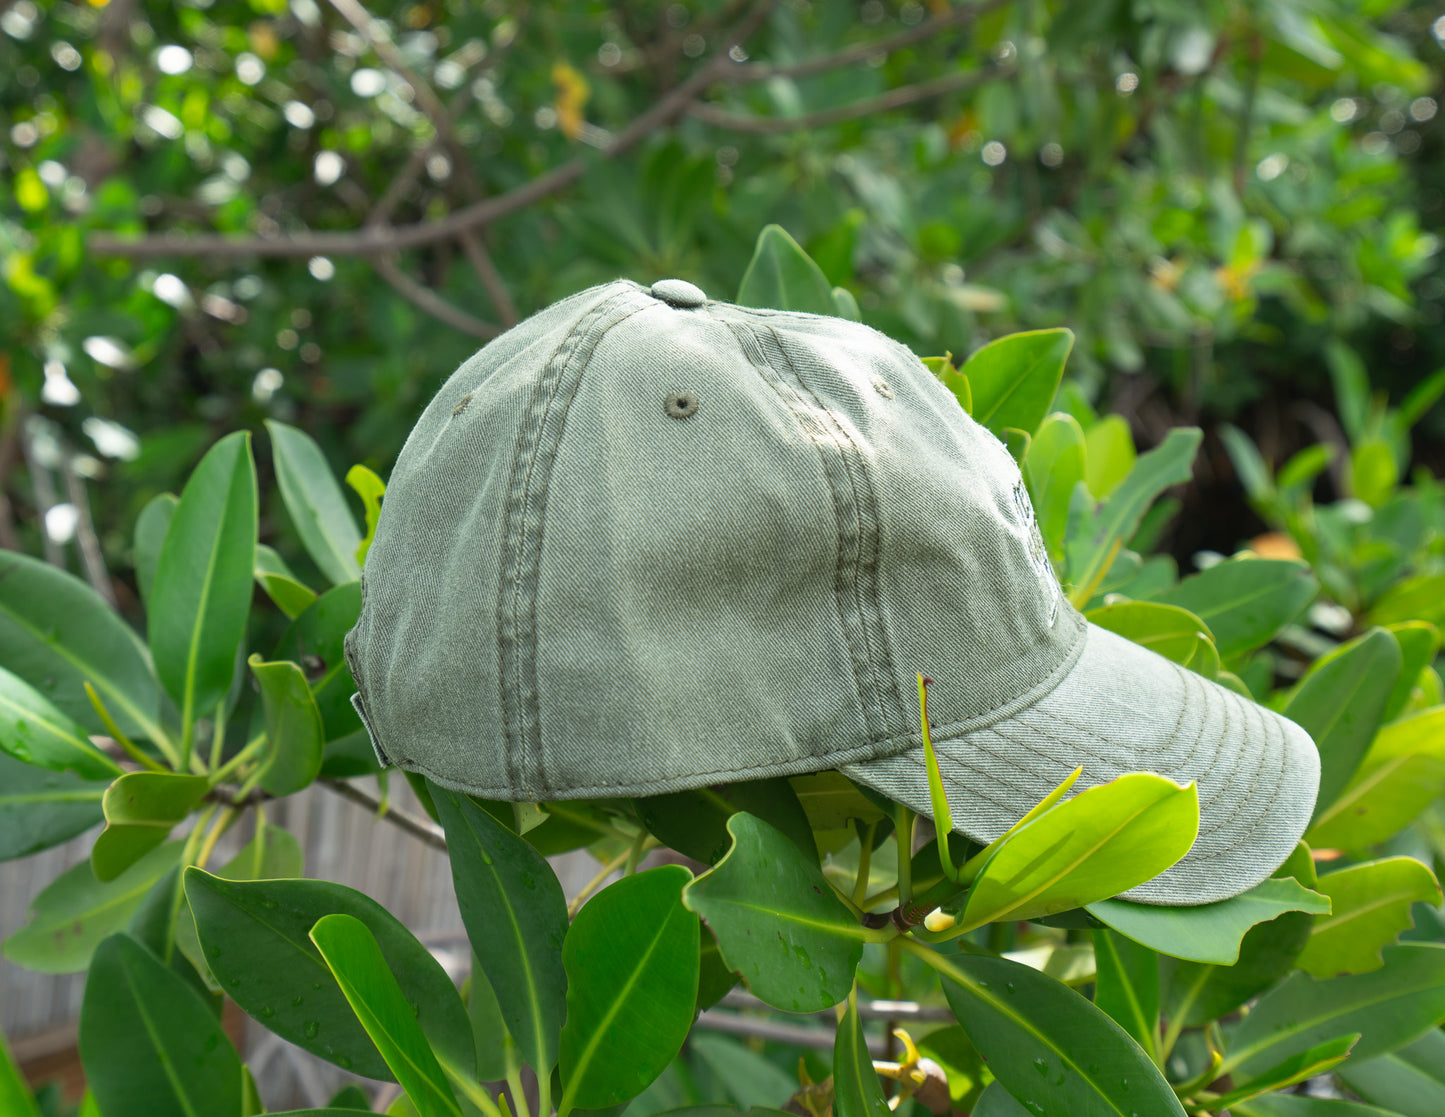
[(572, 94)]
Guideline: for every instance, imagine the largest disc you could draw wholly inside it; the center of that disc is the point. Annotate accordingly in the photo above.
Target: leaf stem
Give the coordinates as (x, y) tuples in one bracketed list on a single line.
[(218, 736), (602, 874), (639, 847), (249, 750), (865, 864), (131, 748), (903, 820), (223, 823)]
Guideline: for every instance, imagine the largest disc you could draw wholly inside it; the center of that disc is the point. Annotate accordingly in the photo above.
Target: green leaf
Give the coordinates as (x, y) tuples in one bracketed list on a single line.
[(371, 488), (255, 939), (34, 731), (1053, 467), (1421, 598), (1403, 771), (1013, 379), (287, 591), (1409, 1081), (149, 1044), (1167, 630), (1317, 1060), (515, 915), (794, 943), (1109, 455), (783, 277), (1249, 466), (357, 963), (141, 809), (293, 727), (1371, 473), (1101, 842), (631, 958), (75, 911), (856, 1089), (832, 801), (696, 822), (1341, 702), (316, 503), (845, 305), (1127, 987), (202, 592), (315, 640), (489, 1030), (1028, 1026), (1371, 906), (1099, 529), (955, 381), (1300, 1105), (1389, 1007), (1208, 932), (1419, 645), (1245, 601), (751, 1080), (150, 533), (56, 633), (15, 1097), (1305, 466), (998, 1102)]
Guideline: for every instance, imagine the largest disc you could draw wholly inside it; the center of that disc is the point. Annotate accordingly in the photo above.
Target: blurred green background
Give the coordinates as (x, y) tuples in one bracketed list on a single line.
[(218, 211)]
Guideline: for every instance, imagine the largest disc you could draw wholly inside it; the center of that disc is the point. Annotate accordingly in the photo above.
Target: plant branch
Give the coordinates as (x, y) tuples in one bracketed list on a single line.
[(428, 300), (423, 829)]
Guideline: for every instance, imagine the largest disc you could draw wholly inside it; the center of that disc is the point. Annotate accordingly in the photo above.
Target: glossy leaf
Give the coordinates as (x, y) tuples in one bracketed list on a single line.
[(1014, 378), (1245, 601), (856, 1089), (998, 1102), (1127, 986), (141, 809), (1403, 771), (750, 1079), (777, 921), (782, 276), (202, 592), (287, 591), (1371, 906), (1341, 702), (1410, 1081), (631, 957), (489, 1030), (516, 917), (1053, 467), (1027, 1026), (1099, 529), (150, 533), (149, 1045), (1419, 645), (1389, 1007), (1208, 932), (1301, 1105), (314, 640), (316, 503), (255, 940), (33, 730), (359, 967), (1101, 842), (293, 727), (40, 808), (56, 633), (1317, 1060), (75, 911), (695, 822), (1167, 630)]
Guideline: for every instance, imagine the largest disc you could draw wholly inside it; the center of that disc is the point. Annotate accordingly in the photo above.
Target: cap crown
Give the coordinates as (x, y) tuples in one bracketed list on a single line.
[(632, 547)]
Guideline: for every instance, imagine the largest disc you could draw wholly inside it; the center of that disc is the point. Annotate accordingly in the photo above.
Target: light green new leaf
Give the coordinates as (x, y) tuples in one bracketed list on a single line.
[(1421, 598), (1053, 467), (1028, 1026), (845, 305), (293, 727), (15, 1097), (56, 633), (141, 809), (316, 502), (832, 801), (631, 957), (356, 962), (1127, 986), (955, 381), (695, 822), (856, 1089), (254, 935), (1341, 702), (1389, 1007), (1167, 630), (782, 276), (202, 591), (515, 915), (287, 592), (1302, 1105), (33, 730), (794, 943), (1410, 1081), (150, 534), (1101, 842), (1419, 645), (1014, 378), (1317, 1060), (1371, 473), (75, 911), (150, 1046), (1245, 601), (1098, 530), (1403, 771), (1371, 906), (1109, 455), (1208, 932), (371, 488)]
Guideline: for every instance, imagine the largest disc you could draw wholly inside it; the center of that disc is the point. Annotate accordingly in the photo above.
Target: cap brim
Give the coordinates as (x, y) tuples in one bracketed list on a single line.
[(1122, 708)]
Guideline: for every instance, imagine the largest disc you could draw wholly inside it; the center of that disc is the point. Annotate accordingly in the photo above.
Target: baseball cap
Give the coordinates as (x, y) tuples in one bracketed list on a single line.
[(645, 541)]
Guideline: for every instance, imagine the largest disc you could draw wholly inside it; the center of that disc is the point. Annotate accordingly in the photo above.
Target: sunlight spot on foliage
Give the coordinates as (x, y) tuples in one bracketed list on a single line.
[(173, 59)]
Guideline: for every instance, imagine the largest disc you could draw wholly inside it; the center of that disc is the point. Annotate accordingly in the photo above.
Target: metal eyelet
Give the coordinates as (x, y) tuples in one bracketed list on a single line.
[(680, 404)]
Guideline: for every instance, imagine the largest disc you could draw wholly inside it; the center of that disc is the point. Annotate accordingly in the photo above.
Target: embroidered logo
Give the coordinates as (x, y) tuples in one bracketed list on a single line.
[(1034, 543)]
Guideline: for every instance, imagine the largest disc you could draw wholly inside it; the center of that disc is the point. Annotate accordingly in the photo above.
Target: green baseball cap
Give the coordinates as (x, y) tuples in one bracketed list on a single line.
[(645, 541)]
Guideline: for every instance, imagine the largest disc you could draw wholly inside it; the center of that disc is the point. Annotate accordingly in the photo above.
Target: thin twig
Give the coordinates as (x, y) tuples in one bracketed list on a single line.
[(361, 19), (92, 559), (429, 301), (424, 829), (481, 261), (43, 486)]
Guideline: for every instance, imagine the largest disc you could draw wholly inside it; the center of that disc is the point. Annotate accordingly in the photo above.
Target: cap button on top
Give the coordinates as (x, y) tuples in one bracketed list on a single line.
[(679, 293)]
